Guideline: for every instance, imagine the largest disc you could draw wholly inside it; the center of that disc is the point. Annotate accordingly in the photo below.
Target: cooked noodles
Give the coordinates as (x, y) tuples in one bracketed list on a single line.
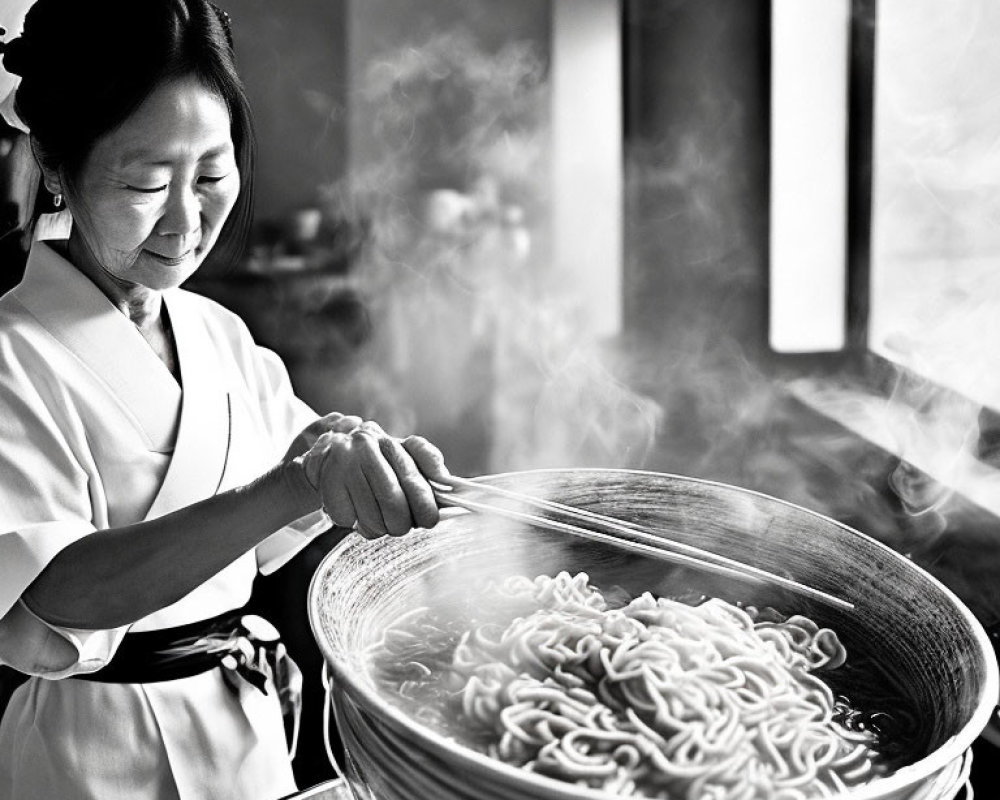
[(654, 698)]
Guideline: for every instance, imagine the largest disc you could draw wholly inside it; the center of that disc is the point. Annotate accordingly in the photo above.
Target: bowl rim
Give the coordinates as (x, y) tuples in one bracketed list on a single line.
[(343, 678)]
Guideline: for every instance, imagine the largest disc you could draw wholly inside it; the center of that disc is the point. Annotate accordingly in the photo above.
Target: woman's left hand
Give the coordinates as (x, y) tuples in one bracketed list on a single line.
[(366, 478), (334, 422)]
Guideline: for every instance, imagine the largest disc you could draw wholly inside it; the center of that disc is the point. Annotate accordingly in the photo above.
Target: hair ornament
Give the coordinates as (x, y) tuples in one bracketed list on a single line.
[(9, 88), (225, 21)]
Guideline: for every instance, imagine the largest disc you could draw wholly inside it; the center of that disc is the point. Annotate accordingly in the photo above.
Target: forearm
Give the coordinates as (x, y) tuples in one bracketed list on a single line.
[(114, 577)]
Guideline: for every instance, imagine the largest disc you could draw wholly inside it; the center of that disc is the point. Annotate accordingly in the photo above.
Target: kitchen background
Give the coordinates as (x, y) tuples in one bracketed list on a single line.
[(743, 240)]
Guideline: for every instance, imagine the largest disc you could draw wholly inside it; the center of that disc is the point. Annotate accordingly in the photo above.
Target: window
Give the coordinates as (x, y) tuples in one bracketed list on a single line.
[(809, 69), (886, 193), (935, 247)]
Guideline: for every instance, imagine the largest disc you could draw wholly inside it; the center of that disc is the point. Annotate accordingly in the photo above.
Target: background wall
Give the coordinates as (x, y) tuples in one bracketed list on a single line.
[(470, 336), (293, 59), (696, 122), (379, 29)]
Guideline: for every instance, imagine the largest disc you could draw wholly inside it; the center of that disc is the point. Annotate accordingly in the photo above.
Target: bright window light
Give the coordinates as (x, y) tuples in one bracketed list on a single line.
[(808, 237)]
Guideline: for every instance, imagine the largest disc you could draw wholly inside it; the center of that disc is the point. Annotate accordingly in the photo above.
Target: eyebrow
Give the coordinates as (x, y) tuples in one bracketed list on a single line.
[(147, 157)]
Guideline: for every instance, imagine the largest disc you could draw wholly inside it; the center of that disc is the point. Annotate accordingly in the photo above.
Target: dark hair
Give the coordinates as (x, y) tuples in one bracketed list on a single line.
[(85, 67)]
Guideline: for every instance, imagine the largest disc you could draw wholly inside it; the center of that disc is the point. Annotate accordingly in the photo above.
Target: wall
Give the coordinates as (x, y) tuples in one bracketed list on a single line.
[(696, 309), (697, 136), (696, 215), (381, 26), (292, 56), (696, 233), (587, 179)]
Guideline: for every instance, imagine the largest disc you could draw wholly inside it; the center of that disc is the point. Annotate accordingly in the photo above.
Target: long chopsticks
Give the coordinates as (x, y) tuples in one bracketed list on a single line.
[(642, 540)]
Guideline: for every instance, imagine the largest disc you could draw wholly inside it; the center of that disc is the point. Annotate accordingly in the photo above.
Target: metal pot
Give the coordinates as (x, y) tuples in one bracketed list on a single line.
[(920, 633)]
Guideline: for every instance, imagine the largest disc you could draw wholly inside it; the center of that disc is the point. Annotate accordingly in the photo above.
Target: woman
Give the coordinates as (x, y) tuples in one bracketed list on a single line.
[(152, 458)]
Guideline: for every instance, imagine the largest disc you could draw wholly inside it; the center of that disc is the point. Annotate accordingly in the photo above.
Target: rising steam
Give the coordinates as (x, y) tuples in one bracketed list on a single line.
[(478, 344), (485, 344)]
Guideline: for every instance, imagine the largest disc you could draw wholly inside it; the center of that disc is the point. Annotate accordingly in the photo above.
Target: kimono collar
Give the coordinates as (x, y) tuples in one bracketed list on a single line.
[(77, 313), (81, 317)]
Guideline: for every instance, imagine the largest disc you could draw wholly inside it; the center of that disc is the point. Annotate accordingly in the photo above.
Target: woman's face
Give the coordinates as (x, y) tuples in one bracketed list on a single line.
[(154, 193)]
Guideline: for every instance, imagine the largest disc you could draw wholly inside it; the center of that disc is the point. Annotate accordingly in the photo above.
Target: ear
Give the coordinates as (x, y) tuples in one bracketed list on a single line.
[(50, 177), (52, 182)]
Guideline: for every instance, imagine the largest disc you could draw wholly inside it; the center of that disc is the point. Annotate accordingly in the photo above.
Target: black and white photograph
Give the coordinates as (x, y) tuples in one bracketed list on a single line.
[(499, 399)]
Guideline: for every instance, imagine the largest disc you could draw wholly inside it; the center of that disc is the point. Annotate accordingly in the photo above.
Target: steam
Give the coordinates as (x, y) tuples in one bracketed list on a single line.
[(936, 293), (481, 346), (487, 347)]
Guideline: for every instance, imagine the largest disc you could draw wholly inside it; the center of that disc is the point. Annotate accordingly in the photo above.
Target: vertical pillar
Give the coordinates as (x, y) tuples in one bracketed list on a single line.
[(587, 168)]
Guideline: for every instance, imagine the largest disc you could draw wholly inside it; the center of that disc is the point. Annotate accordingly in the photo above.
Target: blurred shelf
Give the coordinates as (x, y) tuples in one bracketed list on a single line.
[(935, 440)]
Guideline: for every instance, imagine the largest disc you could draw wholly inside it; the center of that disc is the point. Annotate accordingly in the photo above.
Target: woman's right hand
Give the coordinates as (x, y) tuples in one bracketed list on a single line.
[(368, 479)]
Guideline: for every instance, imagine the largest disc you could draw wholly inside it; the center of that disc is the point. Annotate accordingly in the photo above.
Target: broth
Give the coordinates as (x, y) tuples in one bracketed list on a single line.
[(415, 667)]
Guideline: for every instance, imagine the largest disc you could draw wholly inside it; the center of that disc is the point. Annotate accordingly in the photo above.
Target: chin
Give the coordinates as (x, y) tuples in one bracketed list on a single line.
[(158, 275)]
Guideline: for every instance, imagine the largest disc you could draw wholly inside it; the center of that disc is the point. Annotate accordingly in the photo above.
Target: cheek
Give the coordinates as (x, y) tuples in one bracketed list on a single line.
[(217, 208), (122, 228), (135, 223)]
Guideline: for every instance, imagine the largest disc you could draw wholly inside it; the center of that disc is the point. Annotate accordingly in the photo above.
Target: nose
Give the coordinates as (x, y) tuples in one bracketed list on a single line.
[(181, 213)]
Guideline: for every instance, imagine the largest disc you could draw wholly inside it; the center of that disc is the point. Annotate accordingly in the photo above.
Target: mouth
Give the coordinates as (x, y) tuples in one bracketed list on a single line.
[(171, 261)]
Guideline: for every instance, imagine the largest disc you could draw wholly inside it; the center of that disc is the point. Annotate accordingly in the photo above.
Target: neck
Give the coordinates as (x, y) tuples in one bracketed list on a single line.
[(143, 308), (139, 303)]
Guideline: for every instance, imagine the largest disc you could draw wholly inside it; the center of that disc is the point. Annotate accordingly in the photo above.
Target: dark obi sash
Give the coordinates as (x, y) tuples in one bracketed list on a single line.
[(245, 646), (170, 653)]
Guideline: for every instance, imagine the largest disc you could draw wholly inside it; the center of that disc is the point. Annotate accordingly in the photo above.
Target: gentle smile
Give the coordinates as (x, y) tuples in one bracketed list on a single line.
[(169, 261)]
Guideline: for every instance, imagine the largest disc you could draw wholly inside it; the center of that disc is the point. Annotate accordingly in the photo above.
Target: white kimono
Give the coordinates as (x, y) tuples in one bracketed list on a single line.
[(93, 435)]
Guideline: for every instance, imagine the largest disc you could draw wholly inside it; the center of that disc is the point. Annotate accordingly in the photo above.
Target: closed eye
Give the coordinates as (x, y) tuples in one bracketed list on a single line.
[(143, 190), (211, 178)]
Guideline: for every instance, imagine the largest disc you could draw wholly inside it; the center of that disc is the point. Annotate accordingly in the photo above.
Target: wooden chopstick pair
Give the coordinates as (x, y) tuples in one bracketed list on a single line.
[(642, 540)]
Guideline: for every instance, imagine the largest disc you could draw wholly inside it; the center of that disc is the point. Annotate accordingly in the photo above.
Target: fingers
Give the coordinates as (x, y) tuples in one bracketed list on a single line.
[(420, 500), (343, 423), (428, 458), (368, 478), (311, 434), (370, 519), (312, 460), (334, 495), (391, 509)]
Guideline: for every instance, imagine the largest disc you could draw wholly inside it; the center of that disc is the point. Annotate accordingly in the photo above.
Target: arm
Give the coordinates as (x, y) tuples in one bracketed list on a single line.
[(116, 576)]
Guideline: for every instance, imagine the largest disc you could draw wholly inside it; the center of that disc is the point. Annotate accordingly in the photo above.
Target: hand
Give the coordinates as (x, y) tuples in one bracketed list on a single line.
[(335, 422), (379, 483)]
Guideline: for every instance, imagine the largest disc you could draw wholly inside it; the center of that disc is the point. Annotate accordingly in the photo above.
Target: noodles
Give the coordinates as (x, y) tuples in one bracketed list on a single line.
[(655, 698)]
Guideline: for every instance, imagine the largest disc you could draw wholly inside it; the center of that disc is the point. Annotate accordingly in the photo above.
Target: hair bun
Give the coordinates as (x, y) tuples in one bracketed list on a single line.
[(17, 56)]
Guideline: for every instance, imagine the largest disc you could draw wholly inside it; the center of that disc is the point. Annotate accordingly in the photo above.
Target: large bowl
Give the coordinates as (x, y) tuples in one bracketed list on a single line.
[(927, 642)]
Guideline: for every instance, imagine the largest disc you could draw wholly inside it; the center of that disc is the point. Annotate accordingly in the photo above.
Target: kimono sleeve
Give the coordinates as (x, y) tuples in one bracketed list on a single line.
[(46, 506), (287, 415)]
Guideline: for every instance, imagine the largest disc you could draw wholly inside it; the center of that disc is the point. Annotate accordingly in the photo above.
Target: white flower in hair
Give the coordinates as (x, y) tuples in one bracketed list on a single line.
[(12, 18), (7, 108)]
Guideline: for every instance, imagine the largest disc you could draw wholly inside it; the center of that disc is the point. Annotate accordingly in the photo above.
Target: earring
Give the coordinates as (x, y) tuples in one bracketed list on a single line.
[(57, 200)]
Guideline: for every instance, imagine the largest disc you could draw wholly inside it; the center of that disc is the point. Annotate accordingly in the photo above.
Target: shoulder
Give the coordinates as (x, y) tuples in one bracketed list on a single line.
[(212, 312), (225, 329), (229, 333), (32, 365), (21, 334), (11, 307)]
